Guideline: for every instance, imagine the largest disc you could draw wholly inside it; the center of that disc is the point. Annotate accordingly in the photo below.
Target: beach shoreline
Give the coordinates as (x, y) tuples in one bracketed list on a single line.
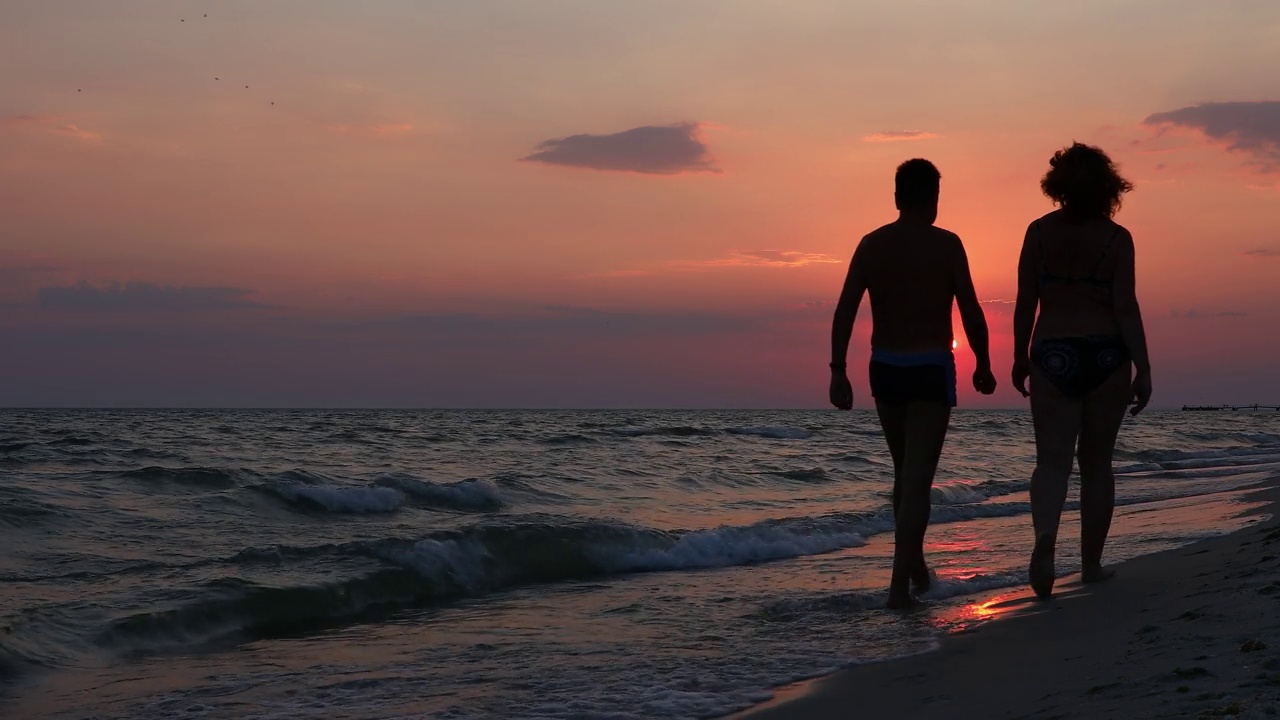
[(1188, 632)]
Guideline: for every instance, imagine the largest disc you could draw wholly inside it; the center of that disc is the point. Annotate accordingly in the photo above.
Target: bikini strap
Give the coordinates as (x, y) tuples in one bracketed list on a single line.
[(1110, 241)]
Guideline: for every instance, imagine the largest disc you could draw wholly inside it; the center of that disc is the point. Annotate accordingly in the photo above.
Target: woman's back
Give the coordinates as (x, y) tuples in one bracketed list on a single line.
[(1075, 268)]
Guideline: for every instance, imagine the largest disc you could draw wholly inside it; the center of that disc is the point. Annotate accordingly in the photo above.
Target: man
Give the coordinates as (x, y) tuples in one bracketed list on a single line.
[(913, 271)]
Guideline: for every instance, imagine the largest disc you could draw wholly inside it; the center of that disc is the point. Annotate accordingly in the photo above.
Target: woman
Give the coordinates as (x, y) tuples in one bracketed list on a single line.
[(1087, 360)]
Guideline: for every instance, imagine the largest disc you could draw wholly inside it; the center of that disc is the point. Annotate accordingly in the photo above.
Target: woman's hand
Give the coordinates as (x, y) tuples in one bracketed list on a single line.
[(841, 390), (1021, 371), (1141, 392)]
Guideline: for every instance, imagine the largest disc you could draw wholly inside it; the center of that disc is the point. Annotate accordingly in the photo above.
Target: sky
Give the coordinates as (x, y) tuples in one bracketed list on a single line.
[(595, 203)]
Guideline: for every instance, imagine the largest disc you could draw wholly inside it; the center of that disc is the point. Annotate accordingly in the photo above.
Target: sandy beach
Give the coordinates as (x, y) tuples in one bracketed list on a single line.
[(1187, 633)]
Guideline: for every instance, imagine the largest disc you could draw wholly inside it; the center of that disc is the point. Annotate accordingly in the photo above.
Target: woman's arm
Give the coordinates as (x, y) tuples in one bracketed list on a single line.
[(1024, 312), (1124, 300)]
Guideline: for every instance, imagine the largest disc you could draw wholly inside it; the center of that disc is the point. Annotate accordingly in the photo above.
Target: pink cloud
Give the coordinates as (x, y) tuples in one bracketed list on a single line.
[(50, 125), (735, 259), (764, 258), (898, 136)]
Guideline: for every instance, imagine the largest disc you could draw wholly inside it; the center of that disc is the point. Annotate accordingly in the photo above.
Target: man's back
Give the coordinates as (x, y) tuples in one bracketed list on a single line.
[(909, 269)]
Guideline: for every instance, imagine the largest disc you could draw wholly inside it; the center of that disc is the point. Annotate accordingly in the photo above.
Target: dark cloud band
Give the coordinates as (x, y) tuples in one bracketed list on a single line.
[(1250, 127), (652, 149), (143, 296)]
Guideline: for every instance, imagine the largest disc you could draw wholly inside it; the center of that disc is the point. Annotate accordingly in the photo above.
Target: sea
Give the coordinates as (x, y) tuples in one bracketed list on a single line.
[(612, 564)]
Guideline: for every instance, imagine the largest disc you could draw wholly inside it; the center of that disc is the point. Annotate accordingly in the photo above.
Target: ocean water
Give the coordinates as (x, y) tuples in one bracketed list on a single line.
[(523, 564)]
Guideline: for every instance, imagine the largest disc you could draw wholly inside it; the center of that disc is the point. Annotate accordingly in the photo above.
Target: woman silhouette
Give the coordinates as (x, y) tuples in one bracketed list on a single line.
[(1087, 360)]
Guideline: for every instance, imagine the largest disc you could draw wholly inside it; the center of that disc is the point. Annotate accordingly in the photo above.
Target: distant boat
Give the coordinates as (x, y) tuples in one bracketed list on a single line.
[(1203, 408)]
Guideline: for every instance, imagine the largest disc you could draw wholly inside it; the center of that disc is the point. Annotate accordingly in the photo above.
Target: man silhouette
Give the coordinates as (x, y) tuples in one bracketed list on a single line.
[(913, 271)]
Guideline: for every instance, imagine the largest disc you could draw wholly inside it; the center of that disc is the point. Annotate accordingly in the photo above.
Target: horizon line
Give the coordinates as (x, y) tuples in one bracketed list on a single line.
[(583, 408)]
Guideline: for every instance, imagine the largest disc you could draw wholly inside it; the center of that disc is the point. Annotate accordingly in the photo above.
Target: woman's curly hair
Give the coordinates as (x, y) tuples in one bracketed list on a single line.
[(1084, 181)]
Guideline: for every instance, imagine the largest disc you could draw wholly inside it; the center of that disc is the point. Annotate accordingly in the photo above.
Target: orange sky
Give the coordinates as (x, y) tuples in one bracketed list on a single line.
[(443, 205)]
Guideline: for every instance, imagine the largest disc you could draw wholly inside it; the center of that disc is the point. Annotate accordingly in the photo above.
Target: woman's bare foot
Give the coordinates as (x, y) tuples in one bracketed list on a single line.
[(1040, 572), (1092, 573), (921, 577)]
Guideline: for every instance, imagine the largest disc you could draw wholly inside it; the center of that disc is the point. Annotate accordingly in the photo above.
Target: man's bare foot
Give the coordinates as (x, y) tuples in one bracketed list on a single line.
[(1096, 573), (1040, 572), (921, 577), (902, 600)]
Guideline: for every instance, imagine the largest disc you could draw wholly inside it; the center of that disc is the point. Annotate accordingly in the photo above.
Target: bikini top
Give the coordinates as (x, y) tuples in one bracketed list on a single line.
[(1048, 278)]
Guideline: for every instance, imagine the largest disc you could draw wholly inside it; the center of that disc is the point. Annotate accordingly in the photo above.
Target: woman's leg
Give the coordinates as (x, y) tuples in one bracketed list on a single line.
[(1103, 412), (1057, 420)]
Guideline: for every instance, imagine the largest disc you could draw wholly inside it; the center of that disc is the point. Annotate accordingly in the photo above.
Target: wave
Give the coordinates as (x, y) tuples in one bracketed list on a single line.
[(208, 477), (731, 546), (843, 603), (338, 499), (450, 565), (72, 442), (809, 475), (232, 609), (957, 494), (19, 512), (773, 432), (473, 494), (340, 583), (856, 459), (1164, 455), (569, 439), (680, 431)]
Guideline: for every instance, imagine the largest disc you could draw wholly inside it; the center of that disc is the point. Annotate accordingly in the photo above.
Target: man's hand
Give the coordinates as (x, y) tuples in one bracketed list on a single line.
[(983, 381), (1021, 371), (841, 390), (1141, 392)]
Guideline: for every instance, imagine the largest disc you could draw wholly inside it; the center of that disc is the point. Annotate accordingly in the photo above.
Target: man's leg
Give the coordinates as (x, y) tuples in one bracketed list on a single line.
[(925, 431), (893, 421)]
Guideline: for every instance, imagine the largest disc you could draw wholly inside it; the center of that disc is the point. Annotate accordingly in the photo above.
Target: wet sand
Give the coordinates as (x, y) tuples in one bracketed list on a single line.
[(1187, 633)]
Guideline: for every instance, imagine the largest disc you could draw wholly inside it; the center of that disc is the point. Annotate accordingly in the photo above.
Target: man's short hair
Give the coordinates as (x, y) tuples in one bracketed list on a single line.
[(916, 183)]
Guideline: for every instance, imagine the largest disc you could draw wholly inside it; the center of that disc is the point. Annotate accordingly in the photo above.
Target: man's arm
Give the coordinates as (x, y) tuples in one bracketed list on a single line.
[(855, 285), (971, 315), (1024, 314)]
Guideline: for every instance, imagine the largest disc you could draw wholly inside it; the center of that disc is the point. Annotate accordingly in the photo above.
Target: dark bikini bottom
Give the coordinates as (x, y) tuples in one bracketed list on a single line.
[(1079, 365)]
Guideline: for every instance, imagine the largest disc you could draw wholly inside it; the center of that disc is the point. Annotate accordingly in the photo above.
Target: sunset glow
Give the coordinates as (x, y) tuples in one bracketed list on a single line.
[(503, 203)]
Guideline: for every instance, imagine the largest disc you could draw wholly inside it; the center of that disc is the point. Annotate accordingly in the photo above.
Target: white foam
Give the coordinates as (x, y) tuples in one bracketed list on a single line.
[(729, 546), (956, 494), (473, 494), (461, 561), (943, 588)]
